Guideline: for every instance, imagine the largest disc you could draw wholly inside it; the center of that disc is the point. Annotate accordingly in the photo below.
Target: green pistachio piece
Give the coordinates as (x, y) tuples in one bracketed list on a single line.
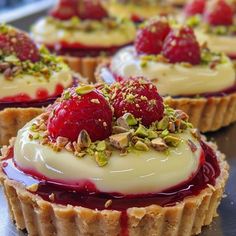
[(152, 134), (120, 141), (172, 140), (118, 130), (141, 146), (130, 119), (159, 144), (84, 140), (101, 159), (165, 133), (84, 89), (163, 123), (141, 131), (101, 146)]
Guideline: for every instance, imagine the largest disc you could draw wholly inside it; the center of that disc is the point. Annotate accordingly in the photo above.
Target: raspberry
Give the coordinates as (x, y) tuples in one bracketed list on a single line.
[(181, 46), (16, 42), (195, 7), (64, 10), (219, 12), (92, 9), (76, 112), (149, 39), (138, 97)]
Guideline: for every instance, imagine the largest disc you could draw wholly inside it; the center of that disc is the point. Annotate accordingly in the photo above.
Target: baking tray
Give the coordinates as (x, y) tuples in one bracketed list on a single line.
[(224, 225)]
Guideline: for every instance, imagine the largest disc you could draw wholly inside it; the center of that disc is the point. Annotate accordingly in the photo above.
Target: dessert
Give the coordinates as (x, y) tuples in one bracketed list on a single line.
[(114, 175), (189, 76), (83, 33), (137, 10), (214, 24), (31, 78)]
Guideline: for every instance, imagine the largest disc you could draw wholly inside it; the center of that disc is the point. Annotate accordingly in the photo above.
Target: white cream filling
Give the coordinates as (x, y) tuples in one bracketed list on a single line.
[(175, 79), (137, 173), (49, 33), (218, 43), (29, 84)]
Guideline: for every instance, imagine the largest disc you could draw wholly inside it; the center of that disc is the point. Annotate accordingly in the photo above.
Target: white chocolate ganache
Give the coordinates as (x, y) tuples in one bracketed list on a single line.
[(137, 173), (51, 31), (175, 79)]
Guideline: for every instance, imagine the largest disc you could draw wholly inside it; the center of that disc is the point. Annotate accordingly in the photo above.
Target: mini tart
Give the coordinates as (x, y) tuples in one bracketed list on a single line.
[(84, 43), (26, 91), (212, 104), (39, 209), (138, 10)]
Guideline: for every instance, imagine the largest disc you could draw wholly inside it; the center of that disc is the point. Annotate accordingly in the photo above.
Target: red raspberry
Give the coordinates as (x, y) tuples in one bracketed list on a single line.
[(92, 9), (181, 46), (149, 39), (19, 43), (90, 112), (138, 97), (64, 10), (194, 7), (219, 12)]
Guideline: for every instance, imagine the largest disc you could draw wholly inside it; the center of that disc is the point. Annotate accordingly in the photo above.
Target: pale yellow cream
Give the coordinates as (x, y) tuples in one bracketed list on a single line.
[(29, 84), (49, 33), (175, 79), (138, 172)]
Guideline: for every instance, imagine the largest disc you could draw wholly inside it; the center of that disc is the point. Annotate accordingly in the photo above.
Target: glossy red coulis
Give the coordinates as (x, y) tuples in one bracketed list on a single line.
[(80, 50), (109, 77)]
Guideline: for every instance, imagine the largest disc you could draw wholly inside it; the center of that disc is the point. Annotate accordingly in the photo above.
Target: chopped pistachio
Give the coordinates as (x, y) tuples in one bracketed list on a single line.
[(121, 121), (61, 141), (141, 146), (84, 140), (101, 158), (152, 134), (159, 144), (118, 129), (84, 89), (163, 123), (171, 127), (165, 133), (101, 146), (141, 131), (121, 140), (172, 140), (130, 119)]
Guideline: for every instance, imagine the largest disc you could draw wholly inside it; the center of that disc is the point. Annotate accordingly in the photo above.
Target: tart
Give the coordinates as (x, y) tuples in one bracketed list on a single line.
[(189, 76), (214, 23), (83, 33), (137, 10), (99, 174), (31, 78)]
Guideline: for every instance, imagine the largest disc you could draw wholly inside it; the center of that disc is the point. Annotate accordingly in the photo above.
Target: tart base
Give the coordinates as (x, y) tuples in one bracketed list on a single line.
[(13, 119), (85, 66), (207, 114), (44, 218)]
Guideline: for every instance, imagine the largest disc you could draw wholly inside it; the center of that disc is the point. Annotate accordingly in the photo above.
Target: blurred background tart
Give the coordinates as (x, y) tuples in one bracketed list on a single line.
[(31, 78), (105, 173), (83, 33), (187, 74), (138, 10)]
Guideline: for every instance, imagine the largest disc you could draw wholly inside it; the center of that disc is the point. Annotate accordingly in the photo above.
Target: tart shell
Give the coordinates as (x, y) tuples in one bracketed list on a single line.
[(85, 66), (13, 119), (39, 217)]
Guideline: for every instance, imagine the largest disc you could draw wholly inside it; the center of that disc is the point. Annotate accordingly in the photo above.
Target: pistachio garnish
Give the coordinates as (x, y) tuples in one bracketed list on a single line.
[(119, 129), (163, 123), (141, 146), (101, 146), (84, 140), (172, 140), (141, 131), (121, 121), (130, 119), (101, 158), (120, 141), (159, 144), (84, 89)]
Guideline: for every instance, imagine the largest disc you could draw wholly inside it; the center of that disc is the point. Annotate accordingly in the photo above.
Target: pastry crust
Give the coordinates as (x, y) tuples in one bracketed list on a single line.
[(185, 218), (13, 119), (85, 66), (206, 114)]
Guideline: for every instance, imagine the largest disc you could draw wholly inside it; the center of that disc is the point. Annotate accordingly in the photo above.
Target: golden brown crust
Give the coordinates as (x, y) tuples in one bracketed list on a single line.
[(206, 114), (86, 66), (186, 218), (12, 119)]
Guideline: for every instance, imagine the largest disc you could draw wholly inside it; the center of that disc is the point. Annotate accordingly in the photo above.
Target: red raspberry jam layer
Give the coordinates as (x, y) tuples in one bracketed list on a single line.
[(80, 50), (109, 77), (90, 197), (23, 100)]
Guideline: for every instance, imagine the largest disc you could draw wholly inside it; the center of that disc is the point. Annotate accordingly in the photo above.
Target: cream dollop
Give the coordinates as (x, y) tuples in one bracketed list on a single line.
[(138, 172), (29, 84), (218, 43), (175, 79), (49, 33)]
